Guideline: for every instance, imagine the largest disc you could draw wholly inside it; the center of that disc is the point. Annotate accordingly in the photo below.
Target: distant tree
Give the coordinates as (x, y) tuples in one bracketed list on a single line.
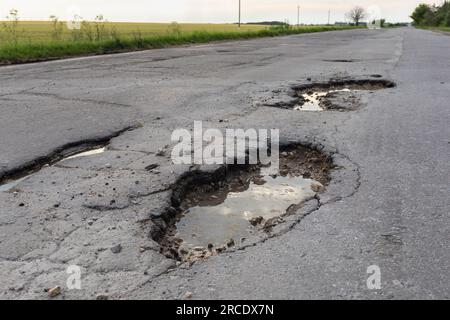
[(443, 14), (356, 15), (421, 14), (432, 15)]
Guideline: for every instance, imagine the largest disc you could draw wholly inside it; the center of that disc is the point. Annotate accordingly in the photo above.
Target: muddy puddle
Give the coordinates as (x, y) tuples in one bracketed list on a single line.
[(266, 197), (220, 210), (10, 184), (336, 94), (312, 100)]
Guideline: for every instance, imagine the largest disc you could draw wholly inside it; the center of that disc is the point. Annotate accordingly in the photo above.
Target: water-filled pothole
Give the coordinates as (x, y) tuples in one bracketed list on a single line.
[(214, 211), (9, 184), (312, 100), (336, 94)]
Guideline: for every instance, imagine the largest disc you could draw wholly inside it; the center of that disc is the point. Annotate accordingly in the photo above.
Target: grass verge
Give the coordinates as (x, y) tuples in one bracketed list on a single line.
[(51, 50), (445, 29)]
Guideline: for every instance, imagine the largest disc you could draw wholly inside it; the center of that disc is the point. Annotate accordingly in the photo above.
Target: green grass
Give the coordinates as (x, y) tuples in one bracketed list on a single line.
[(446, 29), (35, 42), (41, 31)]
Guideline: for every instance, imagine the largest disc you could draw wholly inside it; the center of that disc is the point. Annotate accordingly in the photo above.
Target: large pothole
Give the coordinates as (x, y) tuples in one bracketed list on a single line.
[(336, 94), (214, 211)]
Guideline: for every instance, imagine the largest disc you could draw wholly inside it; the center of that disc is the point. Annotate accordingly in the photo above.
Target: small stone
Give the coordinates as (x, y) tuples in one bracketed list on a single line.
[(396, 282), (256, 221), (54, 292), (21, 204), (317, 187), (188, 295), (199, 249), (108, 165), (102, 297), (116, 249), (230, 243)]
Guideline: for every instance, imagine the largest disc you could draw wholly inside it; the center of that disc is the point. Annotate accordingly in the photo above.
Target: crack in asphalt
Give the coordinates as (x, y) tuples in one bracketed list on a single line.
[(59, 153), (60, 98)]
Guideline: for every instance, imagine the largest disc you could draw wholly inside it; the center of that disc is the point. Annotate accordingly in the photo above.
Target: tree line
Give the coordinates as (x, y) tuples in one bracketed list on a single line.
[(432, 15)]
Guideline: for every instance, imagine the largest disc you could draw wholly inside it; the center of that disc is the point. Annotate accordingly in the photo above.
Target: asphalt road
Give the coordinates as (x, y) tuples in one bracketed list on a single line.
[(387, 205)]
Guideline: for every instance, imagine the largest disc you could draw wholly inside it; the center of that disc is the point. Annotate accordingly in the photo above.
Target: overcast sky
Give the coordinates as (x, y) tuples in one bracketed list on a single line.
[(215, 11)]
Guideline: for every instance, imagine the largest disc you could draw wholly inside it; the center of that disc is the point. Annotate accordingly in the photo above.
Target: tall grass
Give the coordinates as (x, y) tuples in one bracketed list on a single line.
[(93, 39)]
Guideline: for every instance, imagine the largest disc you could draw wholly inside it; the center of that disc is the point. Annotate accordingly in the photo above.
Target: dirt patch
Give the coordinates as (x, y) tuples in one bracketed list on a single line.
[(214, 211)]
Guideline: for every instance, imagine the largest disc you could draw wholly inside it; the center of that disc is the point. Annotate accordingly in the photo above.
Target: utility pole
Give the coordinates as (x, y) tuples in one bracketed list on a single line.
[(329, 13), (239, 13), (298, 16)]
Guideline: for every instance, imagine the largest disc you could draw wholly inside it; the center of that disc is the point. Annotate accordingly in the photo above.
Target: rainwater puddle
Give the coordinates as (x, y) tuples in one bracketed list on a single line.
[(266, 197), (238, 204), (313, 100), (11, 184), (86, 153)]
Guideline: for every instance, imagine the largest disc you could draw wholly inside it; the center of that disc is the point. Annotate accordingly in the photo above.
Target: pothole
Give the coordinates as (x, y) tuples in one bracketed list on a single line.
[(312, 100), (337, 94), (88, 147), (215, 211), (9, 184)]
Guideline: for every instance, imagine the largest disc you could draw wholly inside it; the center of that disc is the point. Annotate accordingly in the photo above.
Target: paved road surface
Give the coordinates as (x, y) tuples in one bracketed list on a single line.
[(387, 206)]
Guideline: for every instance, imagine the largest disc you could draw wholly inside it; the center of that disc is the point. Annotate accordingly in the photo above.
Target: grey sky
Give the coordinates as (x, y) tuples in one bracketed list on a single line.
[(214, 11)]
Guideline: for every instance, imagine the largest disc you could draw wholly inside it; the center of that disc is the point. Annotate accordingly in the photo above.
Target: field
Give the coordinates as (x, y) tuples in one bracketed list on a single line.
[(27, 41), (43, 31)]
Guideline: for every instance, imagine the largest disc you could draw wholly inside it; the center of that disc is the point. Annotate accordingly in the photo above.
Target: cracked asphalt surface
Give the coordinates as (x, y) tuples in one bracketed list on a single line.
[(387, 204)]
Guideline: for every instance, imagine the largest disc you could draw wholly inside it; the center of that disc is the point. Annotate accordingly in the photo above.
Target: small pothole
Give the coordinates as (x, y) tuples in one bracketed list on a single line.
[(312, 100), (337, 94), (9, 184), (215, 211)]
